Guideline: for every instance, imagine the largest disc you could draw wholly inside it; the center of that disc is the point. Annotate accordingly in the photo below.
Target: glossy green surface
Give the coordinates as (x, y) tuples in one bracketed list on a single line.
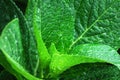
[(55, 35)]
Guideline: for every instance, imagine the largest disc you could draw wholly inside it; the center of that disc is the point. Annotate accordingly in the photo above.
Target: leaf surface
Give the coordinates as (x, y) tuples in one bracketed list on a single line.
[(97, 21), (53, 23), (56, 21), (91, 71), (60, 29), (34, 21), (8, 67), (86, 53), (11, 11), (11, 46)]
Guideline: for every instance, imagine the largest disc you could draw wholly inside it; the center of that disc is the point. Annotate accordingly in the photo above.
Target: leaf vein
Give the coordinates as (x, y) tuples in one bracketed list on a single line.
[(87, 29)]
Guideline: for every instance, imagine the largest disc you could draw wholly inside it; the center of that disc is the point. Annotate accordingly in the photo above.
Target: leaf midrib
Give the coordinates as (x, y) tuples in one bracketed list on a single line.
[(88, 28)]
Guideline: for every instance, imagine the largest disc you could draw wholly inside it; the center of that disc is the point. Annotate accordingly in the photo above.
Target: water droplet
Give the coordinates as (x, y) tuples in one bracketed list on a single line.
[(84, 73), (104, 34), (38, 10), (16, 41), (90, 51), (15, 16), (60, 35), (100, 40), (4, 46), (36, 56), (77, 55), (119, 38), (6, 38)]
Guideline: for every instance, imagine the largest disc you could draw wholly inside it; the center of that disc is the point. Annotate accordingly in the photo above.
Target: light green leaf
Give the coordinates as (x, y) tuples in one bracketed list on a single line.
[(86, 53), (33, 16), (53, 23), (11, 11), (55, 19), (97, 21), (12, 48), (8, 67)]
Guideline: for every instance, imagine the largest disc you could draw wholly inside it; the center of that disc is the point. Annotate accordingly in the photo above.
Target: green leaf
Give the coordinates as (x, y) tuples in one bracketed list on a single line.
[(55, 19), (12, 48), (29, 45), (34, 21), (97, 21), (60, 29), (86, 53), (8, 67), (91, 71), (53, 23), (11, 11)]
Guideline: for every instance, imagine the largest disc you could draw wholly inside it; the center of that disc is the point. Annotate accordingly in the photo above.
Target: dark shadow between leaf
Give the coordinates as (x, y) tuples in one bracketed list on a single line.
[(91, 71), (118, 50)]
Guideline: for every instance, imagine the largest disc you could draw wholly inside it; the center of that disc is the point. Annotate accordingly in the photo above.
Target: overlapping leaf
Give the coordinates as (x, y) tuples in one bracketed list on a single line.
[(96, 21), (53, 23), (11, 11), (88, 18), (8, 67), (86, 53), (34, 21), (12, 48), (55, 19)]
